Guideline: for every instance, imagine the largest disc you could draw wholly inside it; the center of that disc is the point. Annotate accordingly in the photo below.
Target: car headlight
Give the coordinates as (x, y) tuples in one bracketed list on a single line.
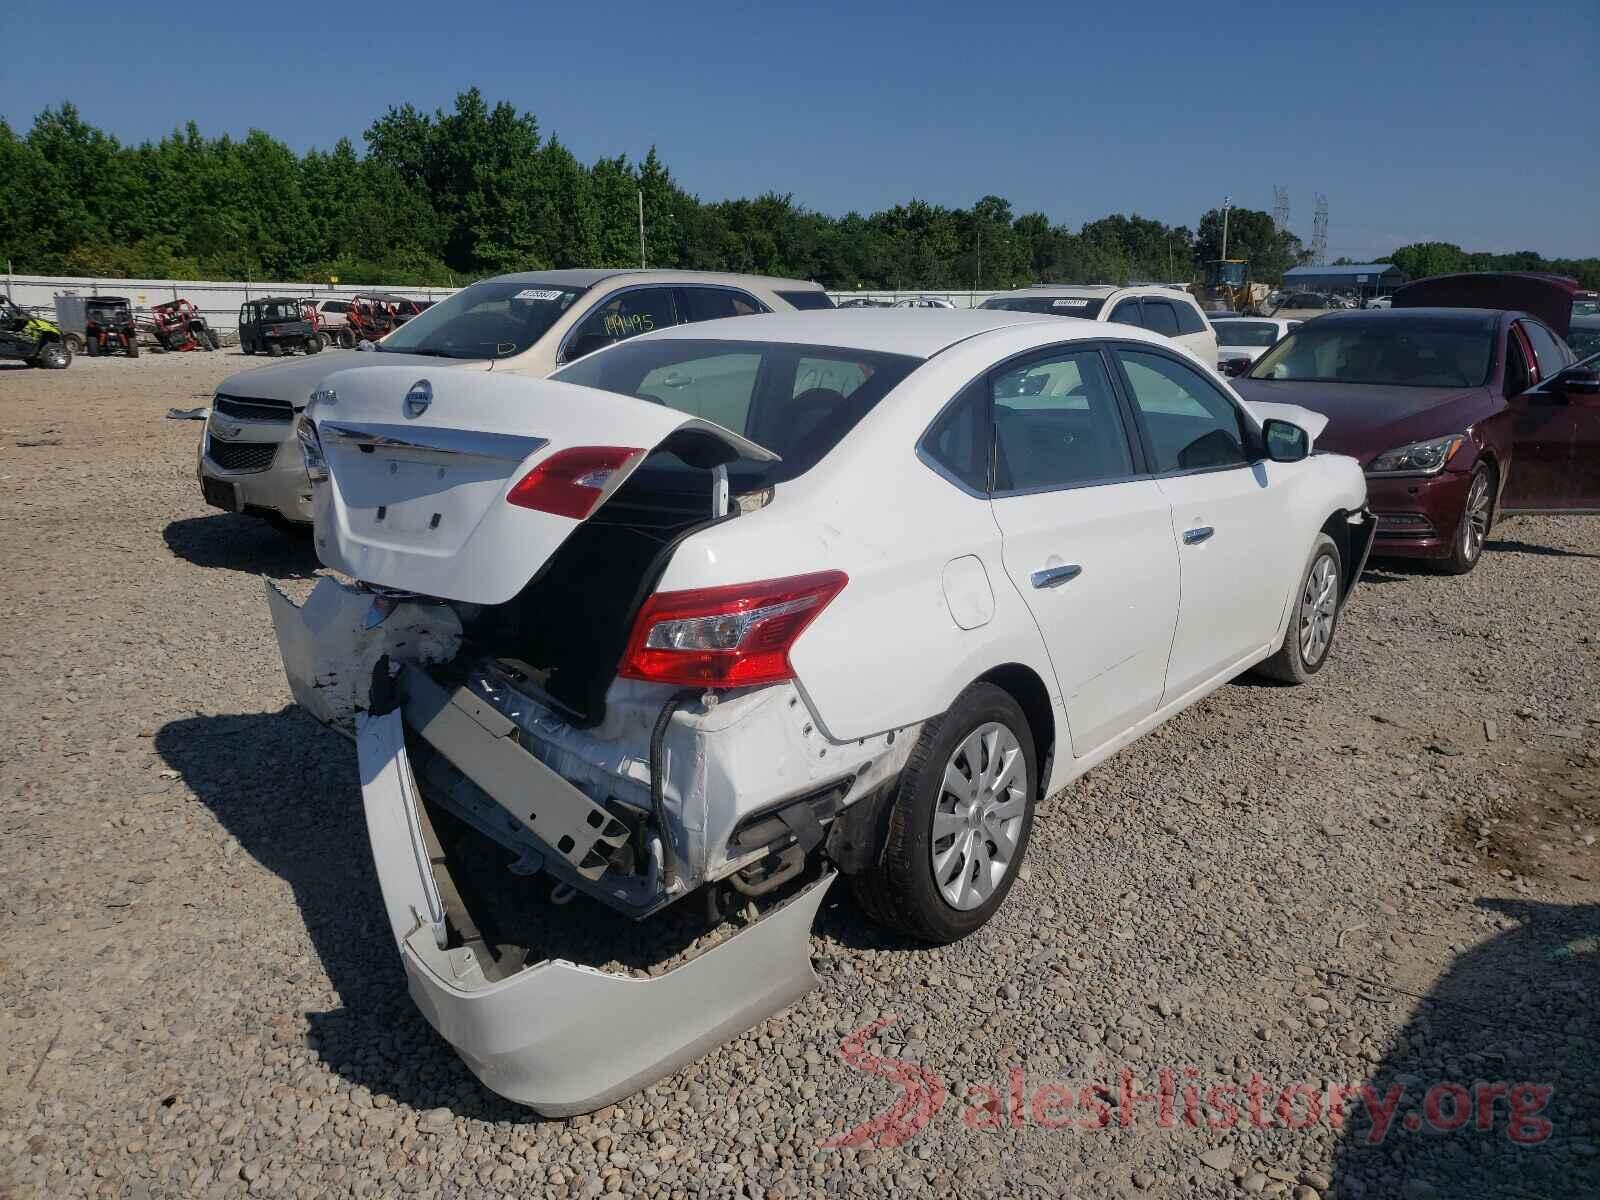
[(1417, 458), (305, 433)]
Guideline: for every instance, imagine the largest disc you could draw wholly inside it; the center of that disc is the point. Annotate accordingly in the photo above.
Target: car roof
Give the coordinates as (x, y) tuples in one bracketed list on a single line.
[(587, 278), (921, 333), (1065, 289)]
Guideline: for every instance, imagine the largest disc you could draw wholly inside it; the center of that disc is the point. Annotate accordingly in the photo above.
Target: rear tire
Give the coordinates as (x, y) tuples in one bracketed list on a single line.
[(133, 347), (274, 350), (347, 339), (983, 821), (1308, 641), (74, 343), (313, 344), (92, 348), (1477, 517)]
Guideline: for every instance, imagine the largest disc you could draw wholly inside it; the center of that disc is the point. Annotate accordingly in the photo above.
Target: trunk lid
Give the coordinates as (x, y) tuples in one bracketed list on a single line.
[(421, 461)]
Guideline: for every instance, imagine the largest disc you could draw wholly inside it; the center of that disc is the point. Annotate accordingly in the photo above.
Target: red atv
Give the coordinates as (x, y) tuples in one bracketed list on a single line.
[(177, 325), (108, 326), (371, 317)]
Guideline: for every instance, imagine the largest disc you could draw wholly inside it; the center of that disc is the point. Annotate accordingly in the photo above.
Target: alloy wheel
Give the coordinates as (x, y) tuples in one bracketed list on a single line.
[(1319, 605), (977, 819), (1475, 520)]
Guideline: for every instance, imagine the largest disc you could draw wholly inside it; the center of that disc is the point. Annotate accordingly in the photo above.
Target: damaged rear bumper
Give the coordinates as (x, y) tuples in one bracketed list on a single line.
[(560, 1037)]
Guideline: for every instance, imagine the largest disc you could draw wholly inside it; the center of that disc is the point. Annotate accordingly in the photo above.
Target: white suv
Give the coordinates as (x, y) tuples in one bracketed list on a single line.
[(523, 324), (1162, 310)]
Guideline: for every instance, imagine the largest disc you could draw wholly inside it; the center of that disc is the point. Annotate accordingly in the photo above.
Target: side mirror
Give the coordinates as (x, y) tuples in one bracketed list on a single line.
[(1577, 380), (1233, 367), (1285, 441)]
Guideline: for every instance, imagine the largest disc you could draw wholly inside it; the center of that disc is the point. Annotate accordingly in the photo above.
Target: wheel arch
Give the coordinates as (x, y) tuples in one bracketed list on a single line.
[(1022, 684)]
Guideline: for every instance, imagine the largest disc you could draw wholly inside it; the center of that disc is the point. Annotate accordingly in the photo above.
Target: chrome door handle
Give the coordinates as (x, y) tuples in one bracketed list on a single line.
[(1051, 577), (1200, 533)]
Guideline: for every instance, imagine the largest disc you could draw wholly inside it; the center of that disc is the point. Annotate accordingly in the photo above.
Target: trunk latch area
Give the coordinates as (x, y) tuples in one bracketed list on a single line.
[(481, 743)]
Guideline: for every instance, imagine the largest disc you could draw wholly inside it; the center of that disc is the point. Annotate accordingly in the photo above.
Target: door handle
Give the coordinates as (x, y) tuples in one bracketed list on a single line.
[(1200, 533), (1050, 577)]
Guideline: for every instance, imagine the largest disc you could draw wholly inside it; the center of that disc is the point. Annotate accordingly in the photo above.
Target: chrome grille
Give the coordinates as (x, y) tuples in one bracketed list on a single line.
[(241, 456), (254, 410)]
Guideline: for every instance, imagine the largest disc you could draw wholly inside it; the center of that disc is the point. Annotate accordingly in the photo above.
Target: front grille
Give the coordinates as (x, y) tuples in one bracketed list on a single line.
[(241, 456), (254, 410)]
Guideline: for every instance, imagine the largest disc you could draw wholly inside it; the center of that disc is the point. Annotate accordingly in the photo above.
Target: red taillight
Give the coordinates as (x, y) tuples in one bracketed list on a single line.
[(734, 636), (572, 483)]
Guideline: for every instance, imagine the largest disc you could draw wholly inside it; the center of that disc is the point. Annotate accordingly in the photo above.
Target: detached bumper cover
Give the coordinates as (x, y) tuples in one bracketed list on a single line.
[(559, 1037)]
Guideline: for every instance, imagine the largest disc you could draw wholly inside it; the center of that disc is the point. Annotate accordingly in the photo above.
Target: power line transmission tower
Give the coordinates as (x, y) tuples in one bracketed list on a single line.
[(1280, 209), (1319, 233)]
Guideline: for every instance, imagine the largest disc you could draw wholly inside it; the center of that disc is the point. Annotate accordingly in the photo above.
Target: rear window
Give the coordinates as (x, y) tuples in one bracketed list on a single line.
[(1087, 307), (1254, 334), (807, 299), (797, 401)]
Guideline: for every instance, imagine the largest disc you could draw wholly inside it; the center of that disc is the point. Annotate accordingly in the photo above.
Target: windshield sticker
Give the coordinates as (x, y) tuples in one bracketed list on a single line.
[(1069, 304), (538, 294)]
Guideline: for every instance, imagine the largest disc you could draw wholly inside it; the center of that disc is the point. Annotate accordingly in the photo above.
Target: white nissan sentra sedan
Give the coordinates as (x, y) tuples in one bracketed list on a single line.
[(746, 605)]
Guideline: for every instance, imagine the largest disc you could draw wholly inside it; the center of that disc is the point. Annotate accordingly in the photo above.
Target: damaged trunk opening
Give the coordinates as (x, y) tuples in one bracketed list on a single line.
[(542, 794)]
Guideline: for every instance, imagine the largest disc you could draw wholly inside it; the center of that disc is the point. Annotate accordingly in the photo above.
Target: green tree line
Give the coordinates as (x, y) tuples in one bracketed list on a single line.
[(450, 196)]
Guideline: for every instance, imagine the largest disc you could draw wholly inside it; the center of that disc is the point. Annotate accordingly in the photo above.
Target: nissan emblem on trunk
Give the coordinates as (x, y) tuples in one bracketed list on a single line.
[(418, 398)]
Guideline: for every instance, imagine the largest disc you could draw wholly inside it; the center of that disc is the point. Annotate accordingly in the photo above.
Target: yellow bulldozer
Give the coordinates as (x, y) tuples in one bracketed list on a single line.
[(1227, 288)]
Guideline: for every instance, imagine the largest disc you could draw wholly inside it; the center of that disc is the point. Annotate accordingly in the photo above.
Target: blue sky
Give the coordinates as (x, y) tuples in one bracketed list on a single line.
[(1464, 122)]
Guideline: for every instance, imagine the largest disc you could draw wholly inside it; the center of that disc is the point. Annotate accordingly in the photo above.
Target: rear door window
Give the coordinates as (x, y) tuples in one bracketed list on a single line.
[(1160, 316), (1056, 424), (625, 315), (711, 304)]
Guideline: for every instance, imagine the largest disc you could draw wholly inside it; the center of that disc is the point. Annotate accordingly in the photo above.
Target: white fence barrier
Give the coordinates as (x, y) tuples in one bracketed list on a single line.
[(220, 302)]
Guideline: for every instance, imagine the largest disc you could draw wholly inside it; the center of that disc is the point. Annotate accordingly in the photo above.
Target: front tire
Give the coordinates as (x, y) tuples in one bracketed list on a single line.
[(959, 822), (1477, 515), (133, 347), (347, 340), (1308, 641), (54, 356)]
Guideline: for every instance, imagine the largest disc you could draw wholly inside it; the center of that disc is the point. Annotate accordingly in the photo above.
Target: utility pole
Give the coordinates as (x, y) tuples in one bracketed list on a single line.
[(641, 229), (1227, 203), (978, 277)]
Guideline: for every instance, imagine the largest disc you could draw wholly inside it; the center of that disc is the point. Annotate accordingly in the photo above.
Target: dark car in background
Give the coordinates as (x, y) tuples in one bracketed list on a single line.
[(1456, 414)]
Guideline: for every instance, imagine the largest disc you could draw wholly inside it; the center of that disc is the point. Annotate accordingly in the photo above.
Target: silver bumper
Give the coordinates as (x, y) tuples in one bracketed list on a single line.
[(281, 487), (556, 1036)]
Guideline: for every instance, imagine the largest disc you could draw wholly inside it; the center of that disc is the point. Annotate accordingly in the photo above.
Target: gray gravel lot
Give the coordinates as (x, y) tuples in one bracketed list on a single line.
[(1389, 875)]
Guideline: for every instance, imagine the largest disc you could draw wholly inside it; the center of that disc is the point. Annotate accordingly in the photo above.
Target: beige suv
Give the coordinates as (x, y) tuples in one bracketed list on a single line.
[(528, 324), (1162, 310)]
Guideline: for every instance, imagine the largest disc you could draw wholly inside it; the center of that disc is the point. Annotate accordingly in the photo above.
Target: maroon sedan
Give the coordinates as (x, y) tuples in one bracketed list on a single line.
[(1457, 415)]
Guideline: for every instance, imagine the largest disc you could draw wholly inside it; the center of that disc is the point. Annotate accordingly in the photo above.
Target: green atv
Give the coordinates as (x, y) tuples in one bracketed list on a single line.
[(34, 340)]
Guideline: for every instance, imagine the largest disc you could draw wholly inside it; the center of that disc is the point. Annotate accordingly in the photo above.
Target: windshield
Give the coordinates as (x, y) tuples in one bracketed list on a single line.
[(492, 319), (1253, 334), (1087, 307), (1403, 353), (797, 401), (280, 310)]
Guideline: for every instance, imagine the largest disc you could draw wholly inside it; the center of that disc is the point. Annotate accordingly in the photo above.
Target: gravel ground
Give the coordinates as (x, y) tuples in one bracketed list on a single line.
[(1391, 874)]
